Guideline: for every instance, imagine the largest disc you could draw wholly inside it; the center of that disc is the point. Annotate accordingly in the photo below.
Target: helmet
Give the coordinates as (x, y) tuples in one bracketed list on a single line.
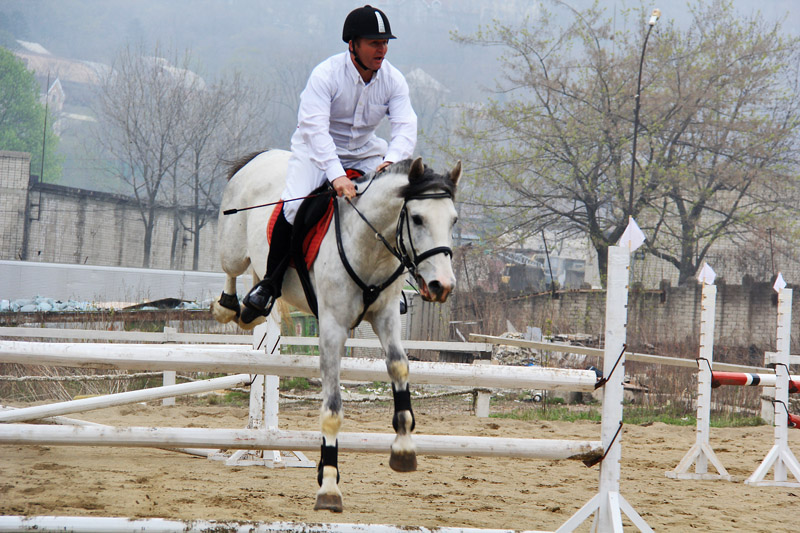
[(368, 22)]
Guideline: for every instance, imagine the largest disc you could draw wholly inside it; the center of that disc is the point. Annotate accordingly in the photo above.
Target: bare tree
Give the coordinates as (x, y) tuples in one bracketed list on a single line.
[(142, 105), (718, 118), (227, 120), (172, 135)]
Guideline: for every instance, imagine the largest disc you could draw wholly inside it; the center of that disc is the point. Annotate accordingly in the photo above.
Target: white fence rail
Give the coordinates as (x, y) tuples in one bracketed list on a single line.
[(237, 360)]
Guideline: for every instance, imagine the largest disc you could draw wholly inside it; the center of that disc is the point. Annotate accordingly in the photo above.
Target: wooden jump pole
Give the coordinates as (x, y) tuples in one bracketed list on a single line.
[(98, 524), (701, 453), (122, 398), (743, 379), (780, 457), (273, 439)]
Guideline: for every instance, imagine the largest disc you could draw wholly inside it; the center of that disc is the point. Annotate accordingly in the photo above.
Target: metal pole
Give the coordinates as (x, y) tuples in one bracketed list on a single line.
[(44, 133), (651, 23)]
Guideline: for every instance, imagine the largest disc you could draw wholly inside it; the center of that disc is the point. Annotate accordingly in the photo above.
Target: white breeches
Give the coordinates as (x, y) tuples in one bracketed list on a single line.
[(303, 176)]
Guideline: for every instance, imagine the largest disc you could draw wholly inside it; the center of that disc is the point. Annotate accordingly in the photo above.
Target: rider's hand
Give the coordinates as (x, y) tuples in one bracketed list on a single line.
[(344, 187), (383, 166)]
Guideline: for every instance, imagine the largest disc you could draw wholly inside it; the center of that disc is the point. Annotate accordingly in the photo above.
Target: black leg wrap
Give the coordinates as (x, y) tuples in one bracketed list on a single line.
[(402, 402), (230, 301), (329, 456)]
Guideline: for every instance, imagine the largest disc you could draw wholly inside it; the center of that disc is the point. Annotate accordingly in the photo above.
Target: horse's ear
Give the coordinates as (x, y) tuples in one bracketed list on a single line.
[(417, 169), (455, 174)]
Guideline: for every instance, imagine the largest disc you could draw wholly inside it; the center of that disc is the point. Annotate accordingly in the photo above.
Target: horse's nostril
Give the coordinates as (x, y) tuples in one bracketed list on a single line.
[(435, 287)]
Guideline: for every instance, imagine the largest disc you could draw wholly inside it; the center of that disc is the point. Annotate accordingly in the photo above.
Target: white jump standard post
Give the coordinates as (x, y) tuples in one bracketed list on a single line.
[(780, 456), (701, 453), (264, 399), (607, 504)]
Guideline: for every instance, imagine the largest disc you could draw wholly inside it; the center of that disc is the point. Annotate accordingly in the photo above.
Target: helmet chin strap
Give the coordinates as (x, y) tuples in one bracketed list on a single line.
[(358, 59)]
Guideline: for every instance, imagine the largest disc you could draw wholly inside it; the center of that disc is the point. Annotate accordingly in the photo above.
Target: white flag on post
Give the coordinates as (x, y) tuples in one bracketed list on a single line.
[(633, 237), (706, 275), (779, 283)]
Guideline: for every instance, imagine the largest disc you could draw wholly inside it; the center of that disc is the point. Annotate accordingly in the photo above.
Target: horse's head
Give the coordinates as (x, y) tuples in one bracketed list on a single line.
[(425, 230)]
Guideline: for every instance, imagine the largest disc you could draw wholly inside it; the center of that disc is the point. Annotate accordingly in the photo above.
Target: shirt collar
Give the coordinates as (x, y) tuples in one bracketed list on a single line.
[(355, 75)]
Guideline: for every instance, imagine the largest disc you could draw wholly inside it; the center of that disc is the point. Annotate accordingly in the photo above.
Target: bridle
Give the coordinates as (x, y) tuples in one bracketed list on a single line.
[(410, 261)]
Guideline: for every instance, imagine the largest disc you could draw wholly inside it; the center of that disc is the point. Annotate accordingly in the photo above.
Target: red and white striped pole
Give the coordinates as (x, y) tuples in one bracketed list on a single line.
[(753, 380)]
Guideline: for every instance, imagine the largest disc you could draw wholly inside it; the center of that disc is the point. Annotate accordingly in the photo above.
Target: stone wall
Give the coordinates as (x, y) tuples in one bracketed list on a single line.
[(68, 225), (746, 315)]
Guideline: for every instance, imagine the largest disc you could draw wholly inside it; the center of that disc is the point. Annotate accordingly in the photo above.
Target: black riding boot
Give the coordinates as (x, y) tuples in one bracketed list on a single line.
[(261, 298)]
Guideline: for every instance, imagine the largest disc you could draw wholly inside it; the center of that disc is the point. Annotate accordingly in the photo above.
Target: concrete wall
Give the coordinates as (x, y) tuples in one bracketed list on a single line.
[(101, 284), (14, 171), (68, 225)]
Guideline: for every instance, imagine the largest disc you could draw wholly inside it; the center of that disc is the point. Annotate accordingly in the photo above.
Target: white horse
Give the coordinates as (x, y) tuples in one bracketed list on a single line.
[(402, 219)]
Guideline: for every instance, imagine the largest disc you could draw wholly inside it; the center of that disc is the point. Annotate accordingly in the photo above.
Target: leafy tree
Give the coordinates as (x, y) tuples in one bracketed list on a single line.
[(718, 133), (22, 117)]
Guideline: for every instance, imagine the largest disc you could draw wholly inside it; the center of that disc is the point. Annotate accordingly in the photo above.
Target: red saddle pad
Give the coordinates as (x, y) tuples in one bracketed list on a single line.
[(312, 239)]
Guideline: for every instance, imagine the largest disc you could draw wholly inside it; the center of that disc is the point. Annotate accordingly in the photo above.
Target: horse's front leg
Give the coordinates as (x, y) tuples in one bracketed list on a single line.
[(331, 344), (387, 326)]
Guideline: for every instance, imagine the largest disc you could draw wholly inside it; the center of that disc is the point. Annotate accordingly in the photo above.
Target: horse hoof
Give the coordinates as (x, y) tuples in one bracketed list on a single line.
[(222, 314), (329, 502), (403, 462)]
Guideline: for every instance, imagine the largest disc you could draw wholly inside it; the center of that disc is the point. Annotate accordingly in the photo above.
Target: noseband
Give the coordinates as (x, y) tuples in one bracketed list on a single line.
[(410, 261)]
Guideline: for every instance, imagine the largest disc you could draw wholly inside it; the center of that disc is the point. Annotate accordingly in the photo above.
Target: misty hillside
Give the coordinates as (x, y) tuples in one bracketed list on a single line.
[(258, 35), (276, 43)]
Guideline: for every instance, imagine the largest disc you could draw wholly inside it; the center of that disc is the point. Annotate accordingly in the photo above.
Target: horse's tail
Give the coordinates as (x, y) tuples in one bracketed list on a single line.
[(237, 164)]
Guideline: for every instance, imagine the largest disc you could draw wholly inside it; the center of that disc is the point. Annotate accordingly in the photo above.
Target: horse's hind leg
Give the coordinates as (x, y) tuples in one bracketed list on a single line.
[(226, 307), (331, 348)]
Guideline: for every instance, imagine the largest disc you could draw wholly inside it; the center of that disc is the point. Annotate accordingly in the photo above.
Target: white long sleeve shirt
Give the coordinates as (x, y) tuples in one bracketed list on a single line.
[(339, 114)]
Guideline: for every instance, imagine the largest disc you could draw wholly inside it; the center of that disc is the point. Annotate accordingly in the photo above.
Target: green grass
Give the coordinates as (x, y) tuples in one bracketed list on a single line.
[(631, 415), (235, 398), (294, 383), (551, 413)]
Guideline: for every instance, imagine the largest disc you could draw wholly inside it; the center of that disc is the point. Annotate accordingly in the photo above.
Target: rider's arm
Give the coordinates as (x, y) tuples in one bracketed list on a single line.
[(403, 121), (313, 121)]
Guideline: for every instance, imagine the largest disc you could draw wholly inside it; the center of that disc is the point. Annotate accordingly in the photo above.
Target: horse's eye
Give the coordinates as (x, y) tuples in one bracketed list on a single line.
[(416, 219), (455, 221)]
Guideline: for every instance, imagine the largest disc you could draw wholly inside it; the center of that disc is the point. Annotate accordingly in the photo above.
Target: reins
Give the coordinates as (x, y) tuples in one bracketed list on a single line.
[(370, 293)]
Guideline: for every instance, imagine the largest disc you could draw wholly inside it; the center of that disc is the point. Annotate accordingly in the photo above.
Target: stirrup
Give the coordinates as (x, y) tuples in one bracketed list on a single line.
[(250, 313), (257, 304)]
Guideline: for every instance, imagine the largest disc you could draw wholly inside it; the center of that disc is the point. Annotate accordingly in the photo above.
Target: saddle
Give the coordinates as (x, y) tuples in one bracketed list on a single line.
[(310, 226)]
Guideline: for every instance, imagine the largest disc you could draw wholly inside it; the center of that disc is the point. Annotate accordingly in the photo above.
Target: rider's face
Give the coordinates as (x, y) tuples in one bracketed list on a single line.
[(371, 51)]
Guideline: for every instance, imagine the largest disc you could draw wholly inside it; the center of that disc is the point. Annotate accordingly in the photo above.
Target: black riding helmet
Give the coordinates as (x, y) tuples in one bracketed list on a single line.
[(367, 22)]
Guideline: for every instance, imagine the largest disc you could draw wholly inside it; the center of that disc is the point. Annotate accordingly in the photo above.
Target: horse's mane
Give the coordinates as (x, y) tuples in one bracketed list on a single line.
[(431, 180), (237, 164)]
